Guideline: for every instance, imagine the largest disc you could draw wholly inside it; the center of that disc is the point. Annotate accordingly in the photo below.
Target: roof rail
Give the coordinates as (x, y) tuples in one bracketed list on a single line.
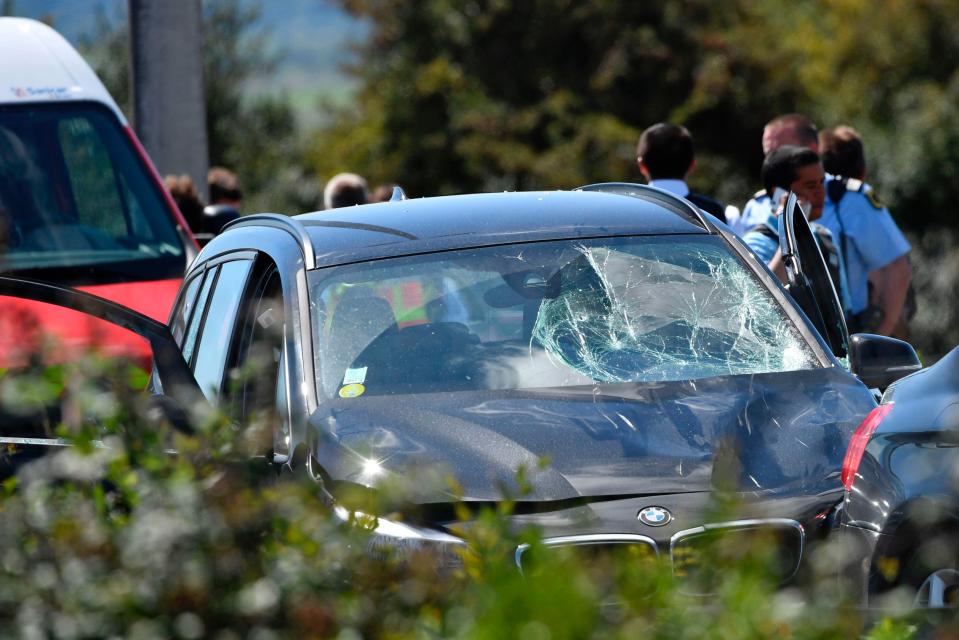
[(285, 223), (647, 192)]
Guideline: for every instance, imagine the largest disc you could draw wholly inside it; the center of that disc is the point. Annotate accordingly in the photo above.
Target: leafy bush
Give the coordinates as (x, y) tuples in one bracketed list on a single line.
[(128, 539)]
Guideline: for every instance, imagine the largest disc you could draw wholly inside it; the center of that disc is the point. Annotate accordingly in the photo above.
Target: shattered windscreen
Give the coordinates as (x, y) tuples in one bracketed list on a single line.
[(548, 314)]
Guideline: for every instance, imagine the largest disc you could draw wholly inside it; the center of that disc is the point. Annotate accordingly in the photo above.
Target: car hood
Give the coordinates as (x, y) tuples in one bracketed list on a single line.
[(779, 432)]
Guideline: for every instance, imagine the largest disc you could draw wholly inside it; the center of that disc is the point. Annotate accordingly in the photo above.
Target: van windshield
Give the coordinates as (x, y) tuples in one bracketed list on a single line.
[(77, 205)]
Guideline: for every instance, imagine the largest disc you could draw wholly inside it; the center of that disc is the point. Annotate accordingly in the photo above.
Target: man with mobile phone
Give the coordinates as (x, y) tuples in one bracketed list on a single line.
[(800, 170), (792, 129)]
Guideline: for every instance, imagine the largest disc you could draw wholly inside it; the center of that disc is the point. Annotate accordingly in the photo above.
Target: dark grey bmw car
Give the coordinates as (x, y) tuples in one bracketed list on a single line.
[(621, 346)]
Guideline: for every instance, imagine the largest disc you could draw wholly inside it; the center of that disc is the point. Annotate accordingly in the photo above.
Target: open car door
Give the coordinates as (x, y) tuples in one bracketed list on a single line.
[(808, 280), (172, 375)]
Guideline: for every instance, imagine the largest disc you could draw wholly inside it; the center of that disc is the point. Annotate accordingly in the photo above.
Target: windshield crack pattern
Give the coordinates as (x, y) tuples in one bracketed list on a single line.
[(665, 312)]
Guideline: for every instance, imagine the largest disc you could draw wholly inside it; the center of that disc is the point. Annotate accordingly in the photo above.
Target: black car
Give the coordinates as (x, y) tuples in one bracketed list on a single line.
[(621, 346), (901, 474)]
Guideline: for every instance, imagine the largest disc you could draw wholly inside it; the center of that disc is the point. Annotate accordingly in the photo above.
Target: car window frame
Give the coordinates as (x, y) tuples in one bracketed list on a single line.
[(183, 298), (217, 263), (821, 356), (264, 277)]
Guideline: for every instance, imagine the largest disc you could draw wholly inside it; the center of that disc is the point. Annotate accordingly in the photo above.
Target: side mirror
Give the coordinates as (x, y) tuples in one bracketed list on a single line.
[(215, 217), (879, 361)]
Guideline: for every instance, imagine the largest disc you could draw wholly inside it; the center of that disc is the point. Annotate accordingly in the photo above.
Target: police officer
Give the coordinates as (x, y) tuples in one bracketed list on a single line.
[(793, 129), (873, 246), (797, 169), (665, 157)]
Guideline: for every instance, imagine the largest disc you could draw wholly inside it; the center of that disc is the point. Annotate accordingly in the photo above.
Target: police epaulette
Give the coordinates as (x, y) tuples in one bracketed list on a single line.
[(873, 199), (859, 186)]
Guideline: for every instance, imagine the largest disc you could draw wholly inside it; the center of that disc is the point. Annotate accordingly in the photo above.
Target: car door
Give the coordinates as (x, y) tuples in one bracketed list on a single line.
[(24, 438), (808, 280), (227, 318)]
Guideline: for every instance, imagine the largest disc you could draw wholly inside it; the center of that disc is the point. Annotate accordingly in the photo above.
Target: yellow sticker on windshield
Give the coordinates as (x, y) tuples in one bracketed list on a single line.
[(352, 390)]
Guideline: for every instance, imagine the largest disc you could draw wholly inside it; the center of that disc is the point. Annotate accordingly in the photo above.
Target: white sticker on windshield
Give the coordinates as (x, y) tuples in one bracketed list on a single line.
[(355, 376)]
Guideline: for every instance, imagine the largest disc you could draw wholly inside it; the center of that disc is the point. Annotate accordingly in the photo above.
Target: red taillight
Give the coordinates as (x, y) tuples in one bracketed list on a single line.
[(857, 446)]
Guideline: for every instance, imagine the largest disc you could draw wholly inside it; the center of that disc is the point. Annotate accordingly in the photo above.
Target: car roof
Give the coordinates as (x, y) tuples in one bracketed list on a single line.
[(408, 227), (38, 65)]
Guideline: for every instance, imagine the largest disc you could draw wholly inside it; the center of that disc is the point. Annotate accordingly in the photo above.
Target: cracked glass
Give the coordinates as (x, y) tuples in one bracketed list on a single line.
[(548, 314)]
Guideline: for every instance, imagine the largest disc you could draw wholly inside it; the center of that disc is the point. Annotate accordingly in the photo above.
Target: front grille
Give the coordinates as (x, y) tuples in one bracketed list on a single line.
[(619, 548), (769, 549)]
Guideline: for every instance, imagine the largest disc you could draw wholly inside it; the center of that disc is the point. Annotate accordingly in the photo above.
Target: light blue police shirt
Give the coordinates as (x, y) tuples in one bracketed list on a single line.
[(762, 245), (756, 211), (765, 248), (872, 238)]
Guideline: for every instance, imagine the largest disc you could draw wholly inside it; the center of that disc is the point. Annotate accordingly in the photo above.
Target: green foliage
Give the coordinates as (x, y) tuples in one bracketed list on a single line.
[(118, 536), (457, 97)]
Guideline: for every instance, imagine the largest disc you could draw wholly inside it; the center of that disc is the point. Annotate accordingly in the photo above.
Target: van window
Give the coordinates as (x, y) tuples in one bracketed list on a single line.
[(77, 204)]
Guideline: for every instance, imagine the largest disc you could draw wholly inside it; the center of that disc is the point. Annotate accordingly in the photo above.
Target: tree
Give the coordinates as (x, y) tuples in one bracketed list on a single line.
[(486, 95), (258, 137)]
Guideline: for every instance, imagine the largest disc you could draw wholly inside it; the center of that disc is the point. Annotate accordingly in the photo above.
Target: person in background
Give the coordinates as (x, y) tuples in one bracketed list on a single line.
[(797, 169), (874, 248), (793, 129), (666, 156), (224, 187), (383, 193), (187, 199), (345, 190)]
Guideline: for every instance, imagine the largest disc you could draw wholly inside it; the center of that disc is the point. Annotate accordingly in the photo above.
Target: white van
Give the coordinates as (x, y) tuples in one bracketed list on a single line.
[(80, 202)]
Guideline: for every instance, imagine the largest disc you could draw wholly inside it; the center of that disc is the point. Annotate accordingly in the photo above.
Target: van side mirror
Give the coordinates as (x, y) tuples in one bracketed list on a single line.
[(878, 361)]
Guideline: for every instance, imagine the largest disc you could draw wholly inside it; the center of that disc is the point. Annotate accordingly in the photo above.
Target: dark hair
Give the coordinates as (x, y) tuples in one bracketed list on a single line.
[(804, 127), (666, 150), (781, 167), (223, 185), (842, 152), (187, 199)]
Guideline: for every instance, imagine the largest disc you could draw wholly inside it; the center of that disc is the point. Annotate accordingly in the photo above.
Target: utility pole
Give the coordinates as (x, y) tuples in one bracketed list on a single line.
[(169, 110)]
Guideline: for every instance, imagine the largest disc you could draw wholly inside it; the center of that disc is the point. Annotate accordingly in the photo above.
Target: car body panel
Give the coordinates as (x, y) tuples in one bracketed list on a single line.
[(353, 234), (907, 484), (778, 432), (914, 452)]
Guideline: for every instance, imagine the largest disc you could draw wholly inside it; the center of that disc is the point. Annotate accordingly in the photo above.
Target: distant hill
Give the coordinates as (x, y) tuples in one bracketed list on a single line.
[(312, 38)]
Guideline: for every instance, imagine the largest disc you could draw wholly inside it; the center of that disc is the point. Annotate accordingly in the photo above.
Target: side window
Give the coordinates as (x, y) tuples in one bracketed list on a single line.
[(217, 331), (196, 319), (185, 309), (257, 379)]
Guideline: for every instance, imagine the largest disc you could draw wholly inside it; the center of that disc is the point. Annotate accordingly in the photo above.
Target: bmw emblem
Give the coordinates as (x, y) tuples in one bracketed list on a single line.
[(655, 516)]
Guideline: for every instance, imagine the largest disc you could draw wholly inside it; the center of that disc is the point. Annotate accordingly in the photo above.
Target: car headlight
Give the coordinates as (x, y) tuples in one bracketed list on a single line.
[(405, 541)]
